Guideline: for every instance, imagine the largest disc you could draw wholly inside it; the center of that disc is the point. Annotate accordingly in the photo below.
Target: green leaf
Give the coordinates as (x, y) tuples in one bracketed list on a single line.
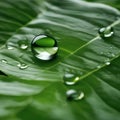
[(114, 3), (36, 90)]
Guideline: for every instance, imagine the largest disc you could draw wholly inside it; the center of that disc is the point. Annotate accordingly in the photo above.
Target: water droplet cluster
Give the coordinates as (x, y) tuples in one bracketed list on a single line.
[(45, 48), (71, 79)]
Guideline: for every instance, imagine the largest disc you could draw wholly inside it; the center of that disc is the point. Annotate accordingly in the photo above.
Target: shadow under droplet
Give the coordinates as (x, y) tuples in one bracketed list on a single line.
[(2, 73)]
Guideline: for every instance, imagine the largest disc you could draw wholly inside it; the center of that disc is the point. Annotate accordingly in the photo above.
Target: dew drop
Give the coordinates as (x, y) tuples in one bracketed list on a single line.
[(112, 55), (106, 32), (10, 46), (99, 66), (70, 79), (107, 63), (44, 47), (74, 95), (22, 66), (4, 61), (23, 44)]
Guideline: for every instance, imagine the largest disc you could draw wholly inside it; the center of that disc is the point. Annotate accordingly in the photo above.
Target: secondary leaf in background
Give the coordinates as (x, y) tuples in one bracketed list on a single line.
[(82, 52)]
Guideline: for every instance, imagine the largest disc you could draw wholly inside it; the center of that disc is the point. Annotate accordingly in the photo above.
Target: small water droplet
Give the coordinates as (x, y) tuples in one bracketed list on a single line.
[(22, 66), (10, 46), (112, 55), (106, 32), (107, 61), (44, 47), (4, 61), (99, 66), (70, 79), (111, 47), (74, 95), (23, 44)]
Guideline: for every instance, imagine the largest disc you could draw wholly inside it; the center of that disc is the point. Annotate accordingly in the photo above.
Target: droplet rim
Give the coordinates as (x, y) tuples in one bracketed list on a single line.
[(22, 66)]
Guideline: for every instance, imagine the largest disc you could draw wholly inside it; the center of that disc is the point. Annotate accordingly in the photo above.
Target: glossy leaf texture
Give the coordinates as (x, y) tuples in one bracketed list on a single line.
[(31, 89), (114, 3)]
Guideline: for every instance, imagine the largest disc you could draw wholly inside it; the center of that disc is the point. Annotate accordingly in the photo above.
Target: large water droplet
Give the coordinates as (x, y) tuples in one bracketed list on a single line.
[(4, 61), (44, 47), (106, 32), (70, 79), (23, 44), (22, 66), (74, 95)]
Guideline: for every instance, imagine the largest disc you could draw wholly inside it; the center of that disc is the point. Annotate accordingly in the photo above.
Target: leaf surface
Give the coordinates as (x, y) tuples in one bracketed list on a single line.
[(37, 92)]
